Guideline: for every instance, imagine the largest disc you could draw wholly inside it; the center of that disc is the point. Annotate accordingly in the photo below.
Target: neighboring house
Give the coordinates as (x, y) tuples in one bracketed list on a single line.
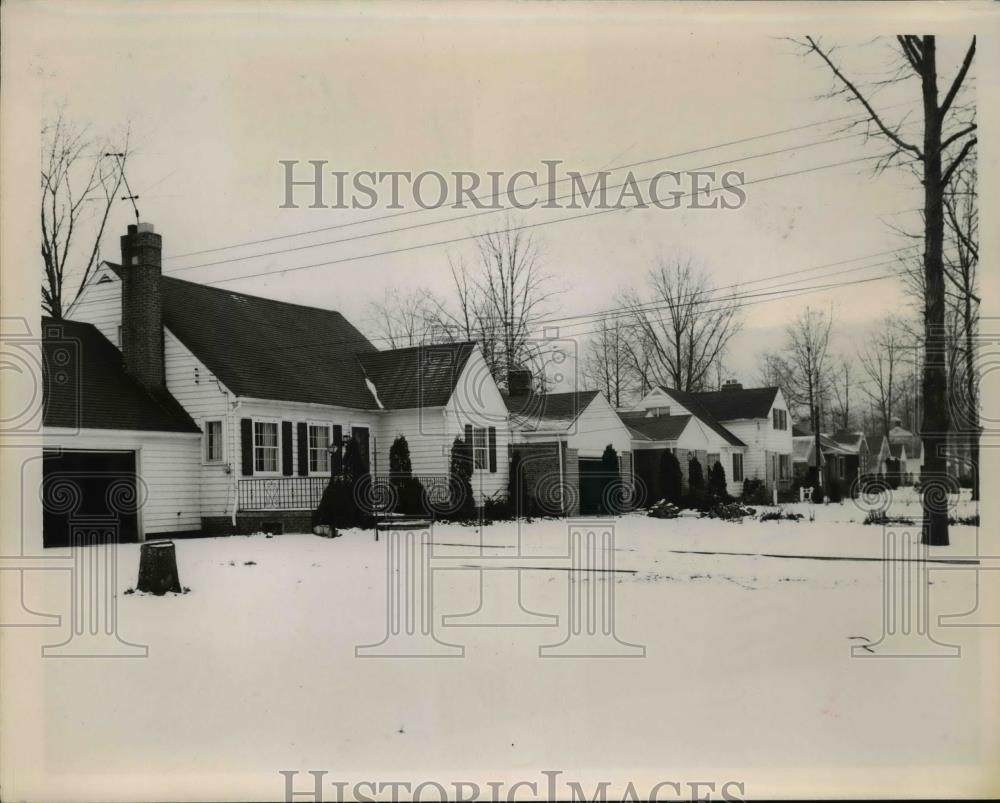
[(687, 436), (913, 447), (564, 436), (756, 417), (276, 390), (845, 455)]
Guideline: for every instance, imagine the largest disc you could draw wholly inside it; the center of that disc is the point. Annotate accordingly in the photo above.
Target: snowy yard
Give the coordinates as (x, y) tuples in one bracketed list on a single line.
[(748, 664)]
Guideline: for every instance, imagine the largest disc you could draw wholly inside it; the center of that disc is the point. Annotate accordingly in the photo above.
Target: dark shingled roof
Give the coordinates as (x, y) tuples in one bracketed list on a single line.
[(269, 349), (693, 402), (656, 427), (731, 404), (86, 386), (555, 408), (421, 376)]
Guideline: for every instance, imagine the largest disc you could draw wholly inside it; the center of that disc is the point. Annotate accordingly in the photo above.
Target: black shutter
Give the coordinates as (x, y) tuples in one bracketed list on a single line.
[(286, 449), (337, 461), (468, 435), (303, 449), (493, 450), (246, 446)]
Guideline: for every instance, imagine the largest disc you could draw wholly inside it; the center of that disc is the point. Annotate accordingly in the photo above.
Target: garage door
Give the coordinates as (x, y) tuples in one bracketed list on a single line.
[(89, 492)]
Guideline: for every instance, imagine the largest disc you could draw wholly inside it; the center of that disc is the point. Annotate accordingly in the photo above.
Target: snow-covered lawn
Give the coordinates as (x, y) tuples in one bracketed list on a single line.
[(748, 666)]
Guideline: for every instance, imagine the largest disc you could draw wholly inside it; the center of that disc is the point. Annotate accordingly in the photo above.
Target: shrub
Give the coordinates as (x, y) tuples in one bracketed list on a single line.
[(412, 497), (671, 478), (463, 503), (610, 471), (717, 482), (729, 511), (780, 515), (755, 493), (879, 517), (498, 508), (965, 479), (664, 510), (342, 502), (517, 487), (399, 458), (696, 479), (836, 490)]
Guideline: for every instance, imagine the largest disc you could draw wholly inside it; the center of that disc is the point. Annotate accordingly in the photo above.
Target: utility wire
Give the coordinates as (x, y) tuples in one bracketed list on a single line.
[(852, 117), (526, 226)]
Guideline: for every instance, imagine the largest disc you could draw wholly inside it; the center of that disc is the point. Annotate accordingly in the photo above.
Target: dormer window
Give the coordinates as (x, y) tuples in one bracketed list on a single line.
[(656, 412)]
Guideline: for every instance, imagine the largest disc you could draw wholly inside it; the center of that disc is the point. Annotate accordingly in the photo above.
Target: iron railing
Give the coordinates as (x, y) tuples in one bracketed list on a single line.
[(281, 493)]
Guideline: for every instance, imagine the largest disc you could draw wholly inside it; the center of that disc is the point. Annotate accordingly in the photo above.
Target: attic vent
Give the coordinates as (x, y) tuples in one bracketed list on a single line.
[(240, 299), (105, 279)]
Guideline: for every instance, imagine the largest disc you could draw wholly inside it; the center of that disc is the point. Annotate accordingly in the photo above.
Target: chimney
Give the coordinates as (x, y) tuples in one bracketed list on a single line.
[(732, 384), (518, 381), (142, 306)]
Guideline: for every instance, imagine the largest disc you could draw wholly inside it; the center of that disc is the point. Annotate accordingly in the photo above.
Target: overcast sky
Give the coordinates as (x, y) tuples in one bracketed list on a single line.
[(215, 100)]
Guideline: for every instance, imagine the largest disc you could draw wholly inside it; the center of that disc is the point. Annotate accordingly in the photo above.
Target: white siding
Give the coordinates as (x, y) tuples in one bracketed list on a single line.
[(596, 427), (204, 398), (163, 462), (100, 303)]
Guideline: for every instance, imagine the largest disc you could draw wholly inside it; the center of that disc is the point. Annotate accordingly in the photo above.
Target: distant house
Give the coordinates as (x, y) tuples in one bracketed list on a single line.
[(757, 418), (845, 455), (262, 397), (655, 431), (913, 447), (564, 436)]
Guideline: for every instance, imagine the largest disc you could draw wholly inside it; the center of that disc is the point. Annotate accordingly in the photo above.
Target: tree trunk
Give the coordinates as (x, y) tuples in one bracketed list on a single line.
[(972, 397), (158, 568), (934, 427)]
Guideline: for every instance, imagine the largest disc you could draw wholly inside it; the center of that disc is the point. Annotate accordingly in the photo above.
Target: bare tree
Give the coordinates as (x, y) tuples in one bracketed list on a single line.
[(807, 359), (841, 384), (607, 361), (882, 361), (500, 301), (403, 319), (949, 136), (774, 371), (81, 176), (682, 330)]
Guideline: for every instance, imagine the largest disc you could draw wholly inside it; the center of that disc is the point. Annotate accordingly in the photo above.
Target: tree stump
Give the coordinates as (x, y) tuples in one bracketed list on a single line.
[(158, 568)]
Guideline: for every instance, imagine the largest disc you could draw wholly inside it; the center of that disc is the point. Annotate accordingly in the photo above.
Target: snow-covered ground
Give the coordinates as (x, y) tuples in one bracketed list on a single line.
[(747, 667)]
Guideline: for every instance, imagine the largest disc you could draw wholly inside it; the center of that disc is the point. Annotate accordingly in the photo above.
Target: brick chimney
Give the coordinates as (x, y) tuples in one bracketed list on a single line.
[(142, 306), (732, 384)]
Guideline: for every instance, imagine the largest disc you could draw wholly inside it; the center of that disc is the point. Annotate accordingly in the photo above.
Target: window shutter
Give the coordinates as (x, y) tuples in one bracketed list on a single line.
[(246, 446), (468, 434), (336, 459), (286, 448), (493, 450), (303, 449)]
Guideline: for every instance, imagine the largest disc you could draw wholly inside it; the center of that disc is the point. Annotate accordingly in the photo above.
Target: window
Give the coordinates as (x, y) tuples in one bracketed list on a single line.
[(780, 418), (711, 459), (658, 411), (265, 446), (737, 467), (319, 448), (213, 441), (784, 466), (479, 448)]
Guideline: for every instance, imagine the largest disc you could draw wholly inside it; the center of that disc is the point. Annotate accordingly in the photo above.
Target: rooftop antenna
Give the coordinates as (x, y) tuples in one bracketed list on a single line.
[(120, 158)]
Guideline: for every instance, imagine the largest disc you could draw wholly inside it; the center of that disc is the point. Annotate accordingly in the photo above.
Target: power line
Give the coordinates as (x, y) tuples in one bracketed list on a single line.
[(854, 117), (526, 226), (481, 213)]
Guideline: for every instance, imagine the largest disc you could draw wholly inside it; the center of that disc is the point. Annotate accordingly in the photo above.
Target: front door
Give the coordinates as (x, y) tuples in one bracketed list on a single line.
[(361, 438)]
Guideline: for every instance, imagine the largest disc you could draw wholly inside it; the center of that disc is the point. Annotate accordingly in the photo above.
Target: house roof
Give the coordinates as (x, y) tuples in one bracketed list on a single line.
[(269, 349), (904, 436), (655, 427), (849, 440), (897, 450), (86, 386), (421, 376), (693, 403), (731, 404), (539, 410), (802, 448)]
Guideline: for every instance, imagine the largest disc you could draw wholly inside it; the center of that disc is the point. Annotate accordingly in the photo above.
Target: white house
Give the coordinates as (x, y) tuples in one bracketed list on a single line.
[(756, 418), (567, 434), (267, 393), (655, 431)]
